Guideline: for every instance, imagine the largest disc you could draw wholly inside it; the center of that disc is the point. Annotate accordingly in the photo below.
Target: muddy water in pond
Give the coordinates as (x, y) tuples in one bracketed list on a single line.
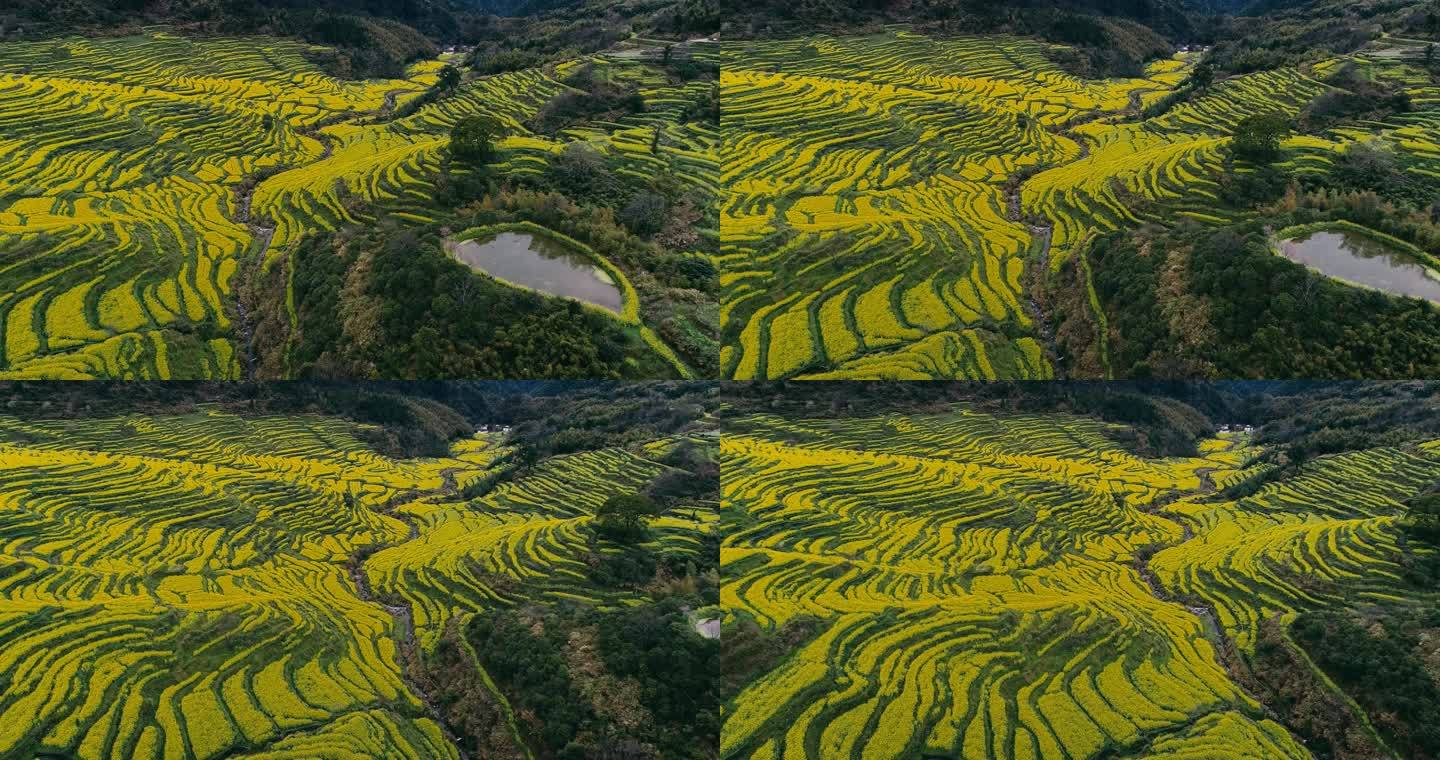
[(542, 264), (1358, 259)]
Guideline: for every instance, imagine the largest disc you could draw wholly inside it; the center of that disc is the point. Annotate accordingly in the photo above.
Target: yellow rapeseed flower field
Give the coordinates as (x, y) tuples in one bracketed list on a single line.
[(208, 585), (986, 584), (124, 164), (887, 196)]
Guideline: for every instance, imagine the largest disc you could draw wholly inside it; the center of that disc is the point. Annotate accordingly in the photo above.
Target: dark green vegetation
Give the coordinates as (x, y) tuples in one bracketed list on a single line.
[(1246, 312), (391, 303), (623, 517), (595, 416), (1297, 421), (544, 31), (1107, 38), (1281, 674), (412, 419), (1356, 97), (631, 683), (749, 650), (374, 38), (1257, 138), (472, 139), (1424, 520), (1274, 33), (369, 38), (598, 415), (1386, 661), (1246, 36)]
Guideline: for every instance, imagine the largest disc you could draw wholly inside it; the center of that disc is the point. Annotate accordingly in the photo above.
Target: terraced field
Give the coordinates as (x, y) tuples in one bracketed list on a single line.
[(1012, 585), (889, 197), (525, 540), (126, 167), (1414, 134), (200, 586)]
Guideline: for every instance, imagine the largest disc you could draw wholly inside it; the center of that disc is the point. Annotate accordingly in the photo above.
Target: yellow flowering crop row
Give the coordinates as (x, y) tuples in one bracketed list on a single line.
[(975, 580)]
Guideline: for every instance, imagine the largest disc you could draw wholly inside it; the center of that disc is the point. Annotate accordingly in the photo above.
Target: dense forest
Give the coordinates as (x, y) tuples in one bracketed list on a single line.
[(368, 38), (1271, 33), (1241, 311), (425, 315), (535, 33), (374, 38), (413, 418), (1105, 38), (1380, 659), (633, 682)]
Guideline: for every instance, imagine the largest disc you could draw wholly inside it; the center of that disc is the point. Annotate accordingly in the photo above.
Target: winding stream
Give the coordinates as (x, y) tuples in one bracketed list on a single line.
[(402, 613)]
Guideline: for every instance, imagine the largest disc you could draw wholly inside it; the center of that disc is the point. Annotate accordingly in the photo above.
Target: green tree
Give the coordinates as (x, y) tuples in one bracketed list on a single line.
[(1423, 517), (1202, 76), (472, 140), (645, 214), (449, 78), (625, 516), (1257, 138), (1368, 165), (526, 456)]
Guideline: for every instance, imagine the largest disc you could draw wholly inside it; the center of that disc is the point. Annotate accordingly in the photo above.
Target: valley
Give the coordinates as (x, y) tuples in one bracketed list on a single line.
[(224, 584), (156, 187), (980, 583), (916, 206)]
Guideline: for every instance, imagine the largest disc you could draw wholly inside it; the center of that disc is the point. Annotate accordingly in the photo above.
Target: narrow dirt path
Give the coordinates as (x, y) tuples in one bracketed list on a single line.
[(1043, 234), (402, 613), (262, 231), (317, 133), (262, 234), (1226, 655), (1042, 231), (1136, 108), (390, 97), (1157, 508)]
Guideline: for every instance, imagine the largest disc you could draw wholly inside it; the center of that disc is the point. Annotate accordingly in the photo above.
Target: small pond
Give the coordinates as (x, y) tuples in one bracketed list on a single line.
[(1358, 259), (538, 262)]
